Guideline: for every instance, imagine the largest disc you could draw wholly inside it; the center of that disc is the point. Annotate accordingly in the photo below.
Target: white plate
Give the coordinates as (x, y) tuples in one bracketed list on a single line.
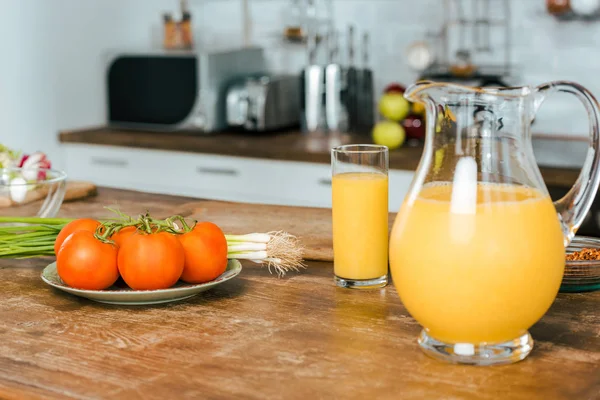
[(127, 296)]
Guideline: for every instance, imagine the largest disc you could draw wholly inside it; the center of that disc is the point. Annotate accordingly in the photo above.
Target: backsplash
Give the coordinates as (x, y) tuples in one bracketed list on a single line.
[(56, 79), (543, 48)]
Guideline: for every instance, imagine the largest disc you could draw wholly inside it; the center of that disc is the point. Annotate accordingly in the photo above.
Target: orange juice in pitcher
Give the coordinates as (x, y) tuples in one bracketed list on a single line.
[(477, 250), (474, 278)]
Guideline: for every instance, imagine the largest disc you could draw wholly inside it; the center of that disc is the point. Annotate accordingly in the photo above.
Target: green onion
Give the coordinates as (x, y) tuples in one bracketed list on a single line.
[(278, 250), (24, 237)]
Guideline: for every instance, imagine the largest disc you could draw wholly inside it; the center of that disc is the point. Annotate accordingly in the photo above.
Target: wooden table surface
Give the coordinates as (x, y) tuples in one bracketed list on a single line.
[(291, 146), (260, 337)]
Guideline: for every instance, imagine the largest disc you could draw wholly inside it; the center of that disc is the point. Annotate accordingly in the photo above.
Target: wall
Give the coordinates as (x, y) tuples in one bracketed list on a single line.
[(51, 77), (51, 72)]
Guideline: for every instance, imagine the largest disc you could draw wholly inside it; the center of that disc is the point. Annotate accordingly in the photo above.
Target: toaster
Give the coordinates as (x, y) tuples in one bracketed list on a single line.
[(170, 91), (264, 102)]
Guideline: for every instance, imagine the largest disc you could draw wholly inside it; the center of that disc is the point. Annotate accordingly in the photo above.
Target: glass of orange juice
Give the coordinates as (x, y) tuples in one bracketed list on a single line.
[(360, 215)]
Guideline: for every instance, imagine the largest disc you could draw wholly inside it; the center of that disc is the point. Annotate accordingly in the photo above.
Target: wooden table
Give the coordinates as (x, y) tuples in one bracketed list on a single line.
[(260, 337)]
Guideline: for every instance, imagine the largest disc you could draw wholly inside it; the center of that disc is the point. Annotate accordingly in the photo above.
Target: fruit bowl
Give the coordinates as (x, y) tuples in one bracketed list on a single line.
[(39, 188)]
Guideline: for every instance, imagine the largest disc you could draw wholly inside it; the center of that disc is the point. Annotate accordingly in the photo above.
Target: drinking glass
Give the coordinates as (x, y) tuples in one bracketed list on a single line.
[(360, 215)]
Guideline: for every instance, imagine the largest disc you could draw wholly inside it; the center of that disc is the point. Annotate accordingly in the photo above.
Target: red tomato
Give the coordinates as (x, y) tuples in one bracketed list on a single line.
[(205, 250), (151, 261), (83, 224), (84, 262), (123, 234)]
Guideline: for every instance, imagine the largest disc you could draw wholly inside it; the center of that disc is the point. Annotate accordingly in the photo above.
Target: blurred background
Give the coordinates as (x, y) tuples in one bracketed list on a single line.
[(53, 74), (242, 100)]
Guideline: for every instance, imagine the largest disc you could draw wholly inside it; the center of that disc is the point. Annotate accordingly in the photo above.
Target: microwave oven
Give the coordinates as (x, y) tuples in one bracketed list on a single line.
[(170, 91)]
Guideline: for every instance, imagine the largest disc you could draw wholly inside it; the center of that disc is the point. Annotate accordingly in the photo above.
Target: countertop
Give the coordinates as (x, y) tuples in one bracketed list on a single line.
[(293, 146), (260, 337)]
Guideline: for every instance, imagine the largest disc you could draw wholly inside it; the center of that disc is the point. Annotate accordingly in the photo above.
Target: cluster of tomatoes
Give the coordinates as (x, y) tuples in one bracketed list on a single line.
[(147, 256)]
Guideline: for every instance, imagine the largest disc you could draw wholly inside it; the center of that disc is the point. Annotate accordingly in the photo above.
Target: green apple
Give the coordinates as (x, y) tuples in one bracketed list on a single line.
[(394, 106), (439, 159), (389, 133)]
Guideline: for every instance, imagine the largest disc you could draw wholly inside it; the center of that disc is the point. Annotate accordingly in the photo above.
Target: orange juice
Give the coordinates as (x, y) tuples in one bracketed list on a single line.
[(360, 225), (487, 276)]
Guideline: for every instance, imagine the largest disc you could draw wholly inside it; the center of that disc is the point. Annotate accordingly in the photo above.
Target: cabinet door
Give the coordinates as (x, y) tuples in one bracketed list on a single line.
[(106, 166), (211, 176), (309, 184), (167, 172), (300, 184)]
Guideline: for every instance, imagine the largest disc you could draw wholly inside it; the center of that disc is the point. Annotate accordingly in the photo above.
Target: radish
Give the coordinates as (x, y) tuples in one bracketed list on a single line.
[(32, 164)]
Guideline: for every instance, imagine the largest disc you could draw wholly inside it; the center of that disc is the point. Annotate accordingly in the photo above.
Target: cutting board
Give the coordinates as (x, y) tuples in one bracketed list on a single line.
[(311, 225), (75, 190)]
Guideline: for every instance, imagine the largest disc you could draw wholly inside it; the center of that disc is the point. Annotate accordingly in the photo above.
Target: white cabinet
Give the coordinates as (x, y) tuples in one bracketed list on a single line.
[(212, 176)]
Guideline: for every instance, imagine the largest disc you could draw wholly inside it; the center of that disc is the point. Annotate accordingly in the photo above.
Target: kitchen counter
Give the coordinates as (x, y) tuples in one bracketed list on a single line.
[(293, 146), (258, 337)]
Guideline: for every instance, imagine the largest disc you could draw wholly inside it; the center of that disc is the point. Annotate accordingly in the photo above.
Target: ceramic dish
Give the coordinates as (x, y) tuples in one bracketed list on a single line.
[(581, 276), (127, 296)]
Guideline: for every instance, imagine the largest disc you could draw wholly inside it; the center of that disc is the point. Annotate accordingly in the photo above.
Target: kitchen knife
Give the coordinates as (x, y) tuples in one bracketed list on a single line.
[(335, 113), (366, 112), (313, 82), (351, 83)]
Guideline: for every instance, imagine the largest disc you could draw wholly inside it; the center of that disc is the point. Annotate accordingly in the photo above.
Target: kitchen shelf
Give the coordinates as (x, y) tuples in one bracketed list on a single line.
[(478, 22)]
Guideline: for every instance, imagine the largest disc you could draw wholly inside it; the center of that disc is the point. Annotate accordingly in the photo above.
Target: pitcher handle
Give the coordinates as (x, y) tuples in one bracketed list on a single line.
[(574, 206)]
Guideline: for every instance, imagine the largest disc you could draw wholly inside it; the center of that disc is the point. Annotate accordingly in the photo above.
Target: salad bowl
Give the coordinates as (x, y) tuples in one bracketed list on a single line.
[(21, 186)]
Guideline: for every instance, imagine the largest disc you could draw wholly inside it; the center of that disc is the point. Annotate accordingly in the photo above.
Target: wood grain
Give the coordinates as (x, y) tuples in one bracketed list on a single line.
[(292, 146), (260, 337)]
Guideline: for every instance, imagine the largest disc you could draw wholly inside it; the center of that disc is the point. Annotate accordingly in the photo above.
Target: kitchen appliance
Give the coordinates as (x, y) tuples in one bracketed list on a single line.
[(170, 91), (462, 50), (484, 203), (264, 103)]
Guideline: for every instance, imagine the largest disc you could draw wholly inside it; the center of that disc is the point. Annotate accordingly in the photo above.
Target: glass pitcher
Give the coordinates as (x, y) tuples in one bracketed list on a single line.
[(477, 250)]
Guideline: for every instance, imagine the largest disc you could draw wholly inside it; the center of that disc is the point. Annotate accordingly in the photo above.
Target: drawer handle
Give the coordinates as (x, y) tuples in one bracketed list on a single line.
[(324, 181), (111, 162), (217, 171)]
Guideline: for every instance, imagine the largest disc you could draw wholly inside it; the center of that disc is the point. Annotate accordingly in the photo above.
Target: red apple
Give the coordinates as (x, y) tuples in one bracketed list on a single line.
[(34, 165), (414, 127), (394, 88)]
